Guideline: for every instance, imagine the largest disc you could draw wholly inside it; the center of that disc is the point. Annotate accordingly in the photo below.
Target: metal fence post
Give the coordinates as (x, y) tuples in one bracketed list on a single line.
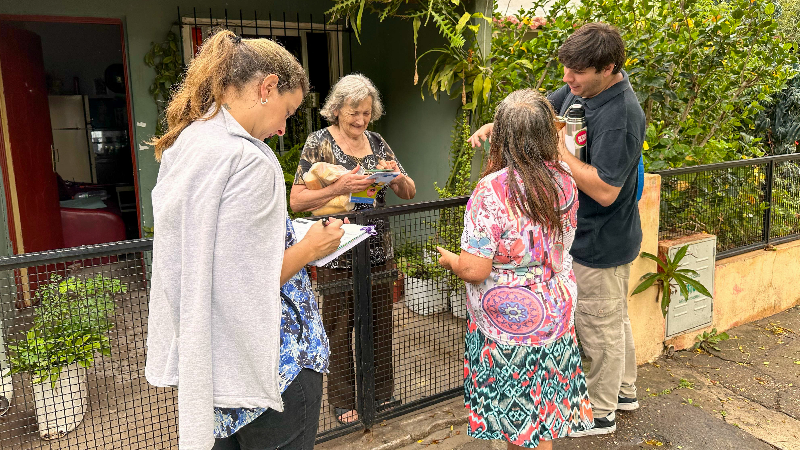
[(365, 348), (769, 180)]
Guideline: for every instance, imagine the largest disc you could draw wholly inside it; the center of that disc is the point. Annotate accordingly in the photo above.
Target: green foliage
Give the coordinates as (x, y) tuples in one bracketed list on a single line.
[(670, 274), (444, 14), (289, 161), (731, 203), (693, 205), (788, 16), (702, 70), (708, 341), (450, 224), (779, 123), (71, 323), (166, 59), (459, 181), (418, 260)]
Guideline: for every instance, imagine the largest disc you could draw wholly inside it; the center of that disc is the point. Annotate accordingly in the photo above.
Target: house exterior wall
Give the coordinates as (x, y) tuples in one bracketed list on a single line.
[(418, 131)]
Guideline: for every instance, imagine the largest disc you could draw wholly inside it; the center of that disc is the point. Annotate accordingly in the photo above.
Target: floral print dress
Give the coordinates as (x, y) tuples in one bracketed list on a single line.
[(523, 379), (304, 344)]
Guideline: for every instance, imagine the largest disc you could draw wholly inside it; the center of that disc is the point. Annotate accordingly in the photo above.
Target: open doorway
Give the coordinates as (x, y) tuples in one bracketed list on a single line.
[(76, 156)]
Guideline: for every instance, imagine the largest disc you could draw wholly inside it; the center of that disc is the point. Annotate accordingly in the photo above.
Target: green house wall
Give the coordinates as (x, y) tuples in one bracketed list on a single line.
[(418, 131)]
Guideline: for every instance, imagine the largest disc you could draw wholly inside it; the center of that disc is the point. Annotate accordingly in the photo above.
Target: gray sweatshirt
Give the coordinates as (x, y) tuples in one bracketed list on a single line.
[(219, 209)]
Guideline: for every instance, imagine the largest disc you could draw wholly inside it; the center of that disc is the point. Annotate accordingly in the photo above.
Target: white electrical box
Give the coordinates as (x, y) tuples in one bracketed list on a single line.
[(696, 311)]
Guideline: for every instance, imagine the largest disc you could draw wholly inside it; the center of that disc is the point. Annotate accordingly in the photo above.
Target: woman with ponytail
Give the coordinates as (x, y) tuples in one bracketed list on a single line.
[(523, 377), (233, 322)]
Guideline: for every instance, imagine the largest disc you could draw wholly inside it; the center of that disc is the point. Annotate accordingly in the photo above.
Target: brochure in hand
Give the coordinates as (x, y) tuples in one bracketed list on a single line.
[(380, 178), (353, 234)]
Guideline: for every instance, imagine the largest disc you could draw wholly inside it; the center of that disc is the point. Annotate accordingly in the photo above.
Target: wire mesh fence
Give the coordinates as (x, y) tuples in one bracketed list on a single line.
[(410, 353), (747, 204), (785, 211), (74, 328)]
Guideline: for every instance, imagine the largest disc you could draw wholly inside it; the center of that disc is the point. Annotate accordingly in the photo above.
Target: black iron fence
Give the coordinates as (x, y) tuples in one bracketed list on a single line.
[(322, 45), (747, 204), (74, 328), (74, 321)]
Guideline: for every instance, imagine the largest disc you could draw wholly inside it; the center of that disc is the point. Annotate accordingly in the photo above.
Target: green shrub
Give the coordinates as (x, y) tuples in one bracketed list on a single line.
[(71, 323)]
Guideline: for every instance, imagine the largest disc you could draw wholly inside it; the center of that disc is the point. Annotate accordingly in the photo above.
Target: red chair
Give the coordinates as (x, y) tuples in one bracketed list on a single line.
[(90, 226)]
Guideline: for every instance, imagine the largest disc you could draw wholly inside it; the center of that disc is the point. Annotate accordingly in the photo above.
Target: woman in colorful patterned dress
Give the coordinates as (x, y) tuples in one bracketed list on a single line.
[(523, 380)]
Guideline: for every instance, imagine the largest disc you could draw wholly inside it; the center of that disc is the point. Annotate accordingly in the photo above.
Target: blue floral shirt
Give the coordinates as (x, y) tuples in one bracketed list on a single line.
[(304, 344)]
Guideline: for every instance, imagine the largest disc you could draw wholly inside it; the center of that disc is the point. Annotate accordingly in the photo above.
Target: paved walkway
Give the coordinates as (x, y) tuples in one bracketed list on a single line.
[(747, 396)]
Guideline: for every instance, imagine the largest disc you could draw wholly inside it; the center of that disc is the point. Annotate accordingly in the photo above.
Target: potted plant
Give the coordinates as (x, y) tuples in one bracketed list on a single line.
[(71, 324), (424, 279)]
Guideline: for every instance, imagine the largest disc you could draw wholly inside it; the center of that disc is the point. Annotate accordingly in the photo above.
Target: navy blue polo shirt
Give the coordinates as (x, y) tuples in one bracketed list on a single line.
[(609, 236)]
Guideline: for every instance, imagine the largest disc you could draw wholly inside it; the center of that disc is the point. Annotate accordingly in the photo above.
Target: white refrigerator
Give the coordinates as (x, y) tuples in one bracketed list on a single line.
[(69, 116)]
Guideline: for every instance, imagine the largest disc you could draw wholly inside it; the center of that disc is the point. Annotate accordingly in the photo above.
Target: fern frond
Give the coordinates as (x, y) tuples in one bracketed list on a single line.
[(447, 29), (343, 9)]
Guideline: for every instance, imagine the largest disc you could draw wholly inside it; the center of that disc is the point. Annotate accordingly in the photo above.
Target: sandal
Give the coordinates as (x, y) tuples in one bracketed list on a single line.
[(383, 405), (342, 412)]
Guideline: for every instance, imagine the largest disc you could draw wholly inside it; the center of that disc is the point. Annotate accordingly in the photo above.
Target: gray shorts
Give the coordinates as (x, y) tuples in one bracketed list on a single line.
[(293, 429)]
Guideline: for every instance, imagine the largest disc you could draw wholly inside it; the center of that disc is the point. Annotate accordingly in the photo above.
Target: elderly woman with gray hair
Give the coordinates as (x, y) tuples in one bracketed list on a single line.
[(351, 106)]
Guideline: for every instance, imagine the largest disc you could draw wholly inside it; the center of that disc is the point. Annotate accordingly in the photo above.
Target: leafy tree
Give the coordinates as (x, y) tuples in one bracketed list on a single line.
[(702, 70), (780, 121), (788, 18)]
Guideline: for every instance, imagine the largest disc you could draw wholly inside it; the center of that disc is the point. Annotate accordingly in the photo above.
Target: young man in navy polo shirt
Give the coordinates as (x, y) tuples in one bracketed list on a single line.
[(609, 233)]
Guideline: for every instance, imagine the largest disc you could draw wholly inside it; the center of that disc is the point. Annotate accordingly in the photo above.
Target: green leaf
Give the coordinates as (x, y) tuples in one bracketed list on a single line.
[(693, 131), (655, 258), (644, 285), (679, 256), (698, 286), (358, 17), (665, 299), (769, 9), (477, 88), (415, 24), (688, 272), (463, 21), (682, 286)]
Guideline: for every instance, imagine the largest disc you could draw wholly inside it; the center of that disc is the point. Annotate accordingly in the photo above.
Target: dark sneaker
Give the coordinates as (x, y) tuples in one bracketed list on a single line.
[(602, 425), (627, 404)]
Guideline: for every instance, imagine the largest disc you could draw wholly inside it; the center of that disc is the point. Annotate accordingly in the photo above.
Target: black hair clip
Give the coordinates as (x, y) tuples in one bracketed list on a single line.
[(236, 39)]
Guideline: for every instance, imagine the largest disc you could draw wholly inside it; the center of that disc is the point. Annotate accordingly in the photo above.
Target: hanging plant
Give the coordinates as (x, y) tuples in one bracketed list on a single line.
[(167, 60)]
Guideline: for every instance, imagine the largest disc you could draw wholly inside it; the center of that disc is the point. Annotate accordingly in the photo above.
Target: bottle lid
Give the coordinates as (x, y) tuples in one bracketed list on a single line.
[(575, 112)]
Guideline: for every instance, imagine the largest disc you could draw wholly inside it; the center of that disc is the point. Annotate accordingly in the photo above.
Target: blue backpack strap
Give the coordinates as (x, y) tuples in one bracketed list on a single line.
[(640, 179)]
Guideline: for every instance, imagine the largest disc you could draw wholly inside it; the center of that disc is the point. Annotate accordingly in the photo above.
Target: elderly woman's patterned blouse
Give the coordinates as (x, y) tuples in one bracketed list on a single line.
[(322, 147)]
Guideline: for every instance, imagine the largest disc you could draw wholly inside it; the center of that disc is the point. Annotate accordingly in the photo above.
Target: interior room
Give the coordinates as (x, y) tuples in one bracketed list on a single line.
[(86, 95)]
